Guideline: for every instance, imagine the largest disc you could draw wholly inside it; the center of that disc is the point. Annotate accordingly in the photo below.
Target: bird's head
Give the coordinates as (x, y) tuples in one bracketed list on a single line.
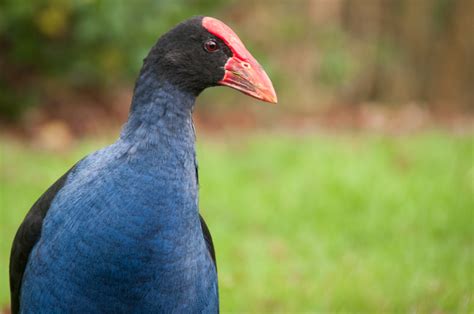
[(203, 52)]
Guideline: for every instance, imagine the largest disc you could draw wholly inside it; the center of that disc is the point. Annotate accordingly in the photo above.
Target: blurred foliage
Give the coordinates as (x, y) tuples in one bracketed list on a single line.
[(82, 42), (337, 64)]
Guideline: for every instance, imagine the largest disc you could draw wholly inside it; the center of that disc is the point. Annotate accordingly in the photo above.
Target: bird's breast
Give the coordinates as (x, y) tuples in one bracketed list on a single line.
[(124, 234)]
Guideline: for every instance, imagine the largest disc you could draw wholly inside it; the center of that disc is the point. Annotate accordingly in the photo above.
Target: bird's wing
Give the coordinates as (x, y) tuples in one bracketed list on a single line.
[(27, 236), (208, 239), (205, 230)]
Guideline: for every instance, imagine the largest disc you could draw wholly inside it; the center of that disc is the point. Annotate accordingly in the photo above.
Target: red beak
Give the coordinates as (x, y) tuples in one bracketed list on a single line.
[(242, 71), (249, 77)]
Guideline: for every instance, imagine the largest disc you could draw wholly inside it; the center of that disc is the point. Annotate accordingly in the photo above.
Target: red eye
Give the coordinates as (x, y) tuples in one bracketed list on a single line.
[(211, 45)]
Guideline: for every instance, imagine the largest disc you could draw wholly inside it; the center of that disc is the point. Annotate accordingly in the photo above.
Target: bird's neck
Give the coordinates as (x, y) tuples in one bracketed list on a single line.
[(158, 143), (160, 116)]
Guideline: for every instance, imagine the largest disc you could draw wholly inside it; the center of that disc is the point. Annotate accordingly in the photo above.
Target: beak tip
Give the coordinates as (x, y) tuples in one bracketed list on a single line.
[(273, 100), (267, 95), (271, 97)]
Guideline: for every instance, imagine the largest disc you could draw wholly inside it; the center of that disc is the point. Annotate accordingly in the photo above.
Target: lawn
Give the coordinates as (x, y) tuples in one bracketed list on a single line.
[(328, 223)]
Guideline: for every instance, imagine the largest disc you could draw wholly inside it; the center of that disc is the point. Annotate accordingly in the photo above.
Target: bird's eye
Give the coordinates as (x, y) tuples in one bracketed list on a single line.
[(211, 45)]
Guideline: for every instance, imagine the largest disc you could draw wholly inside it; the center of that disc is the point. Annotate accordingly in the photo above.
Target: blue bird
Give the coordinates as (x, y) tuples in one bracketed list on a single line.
[(121, 232)]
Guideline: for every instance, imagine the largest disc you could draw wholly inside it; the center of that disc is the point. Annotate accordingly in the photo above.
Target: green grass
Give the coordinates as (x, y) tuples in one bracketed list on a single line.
[(321, 223)]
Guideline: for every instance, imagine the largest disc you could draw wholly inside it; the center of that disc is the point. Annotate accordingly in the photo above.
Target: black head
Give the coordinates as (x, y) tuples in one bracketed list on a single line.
[(202, 52), (189, 57)]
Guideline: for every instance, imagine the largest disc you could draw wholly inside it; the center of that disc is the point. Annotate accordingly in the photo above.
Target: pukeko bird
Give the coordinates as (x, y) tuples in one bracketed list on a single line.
[(121, 232)]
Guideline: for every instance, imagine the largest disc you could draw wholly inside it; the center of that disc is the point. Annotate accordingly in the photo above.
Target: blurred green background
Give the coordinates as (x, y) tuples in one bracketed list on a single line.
[(354, 194)]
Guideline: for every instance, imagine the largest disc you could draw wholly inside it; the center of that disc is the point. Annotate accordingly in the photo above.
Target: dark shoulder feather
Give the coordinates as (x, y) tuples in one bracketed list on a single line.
[(26, 237), (208, 239)]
